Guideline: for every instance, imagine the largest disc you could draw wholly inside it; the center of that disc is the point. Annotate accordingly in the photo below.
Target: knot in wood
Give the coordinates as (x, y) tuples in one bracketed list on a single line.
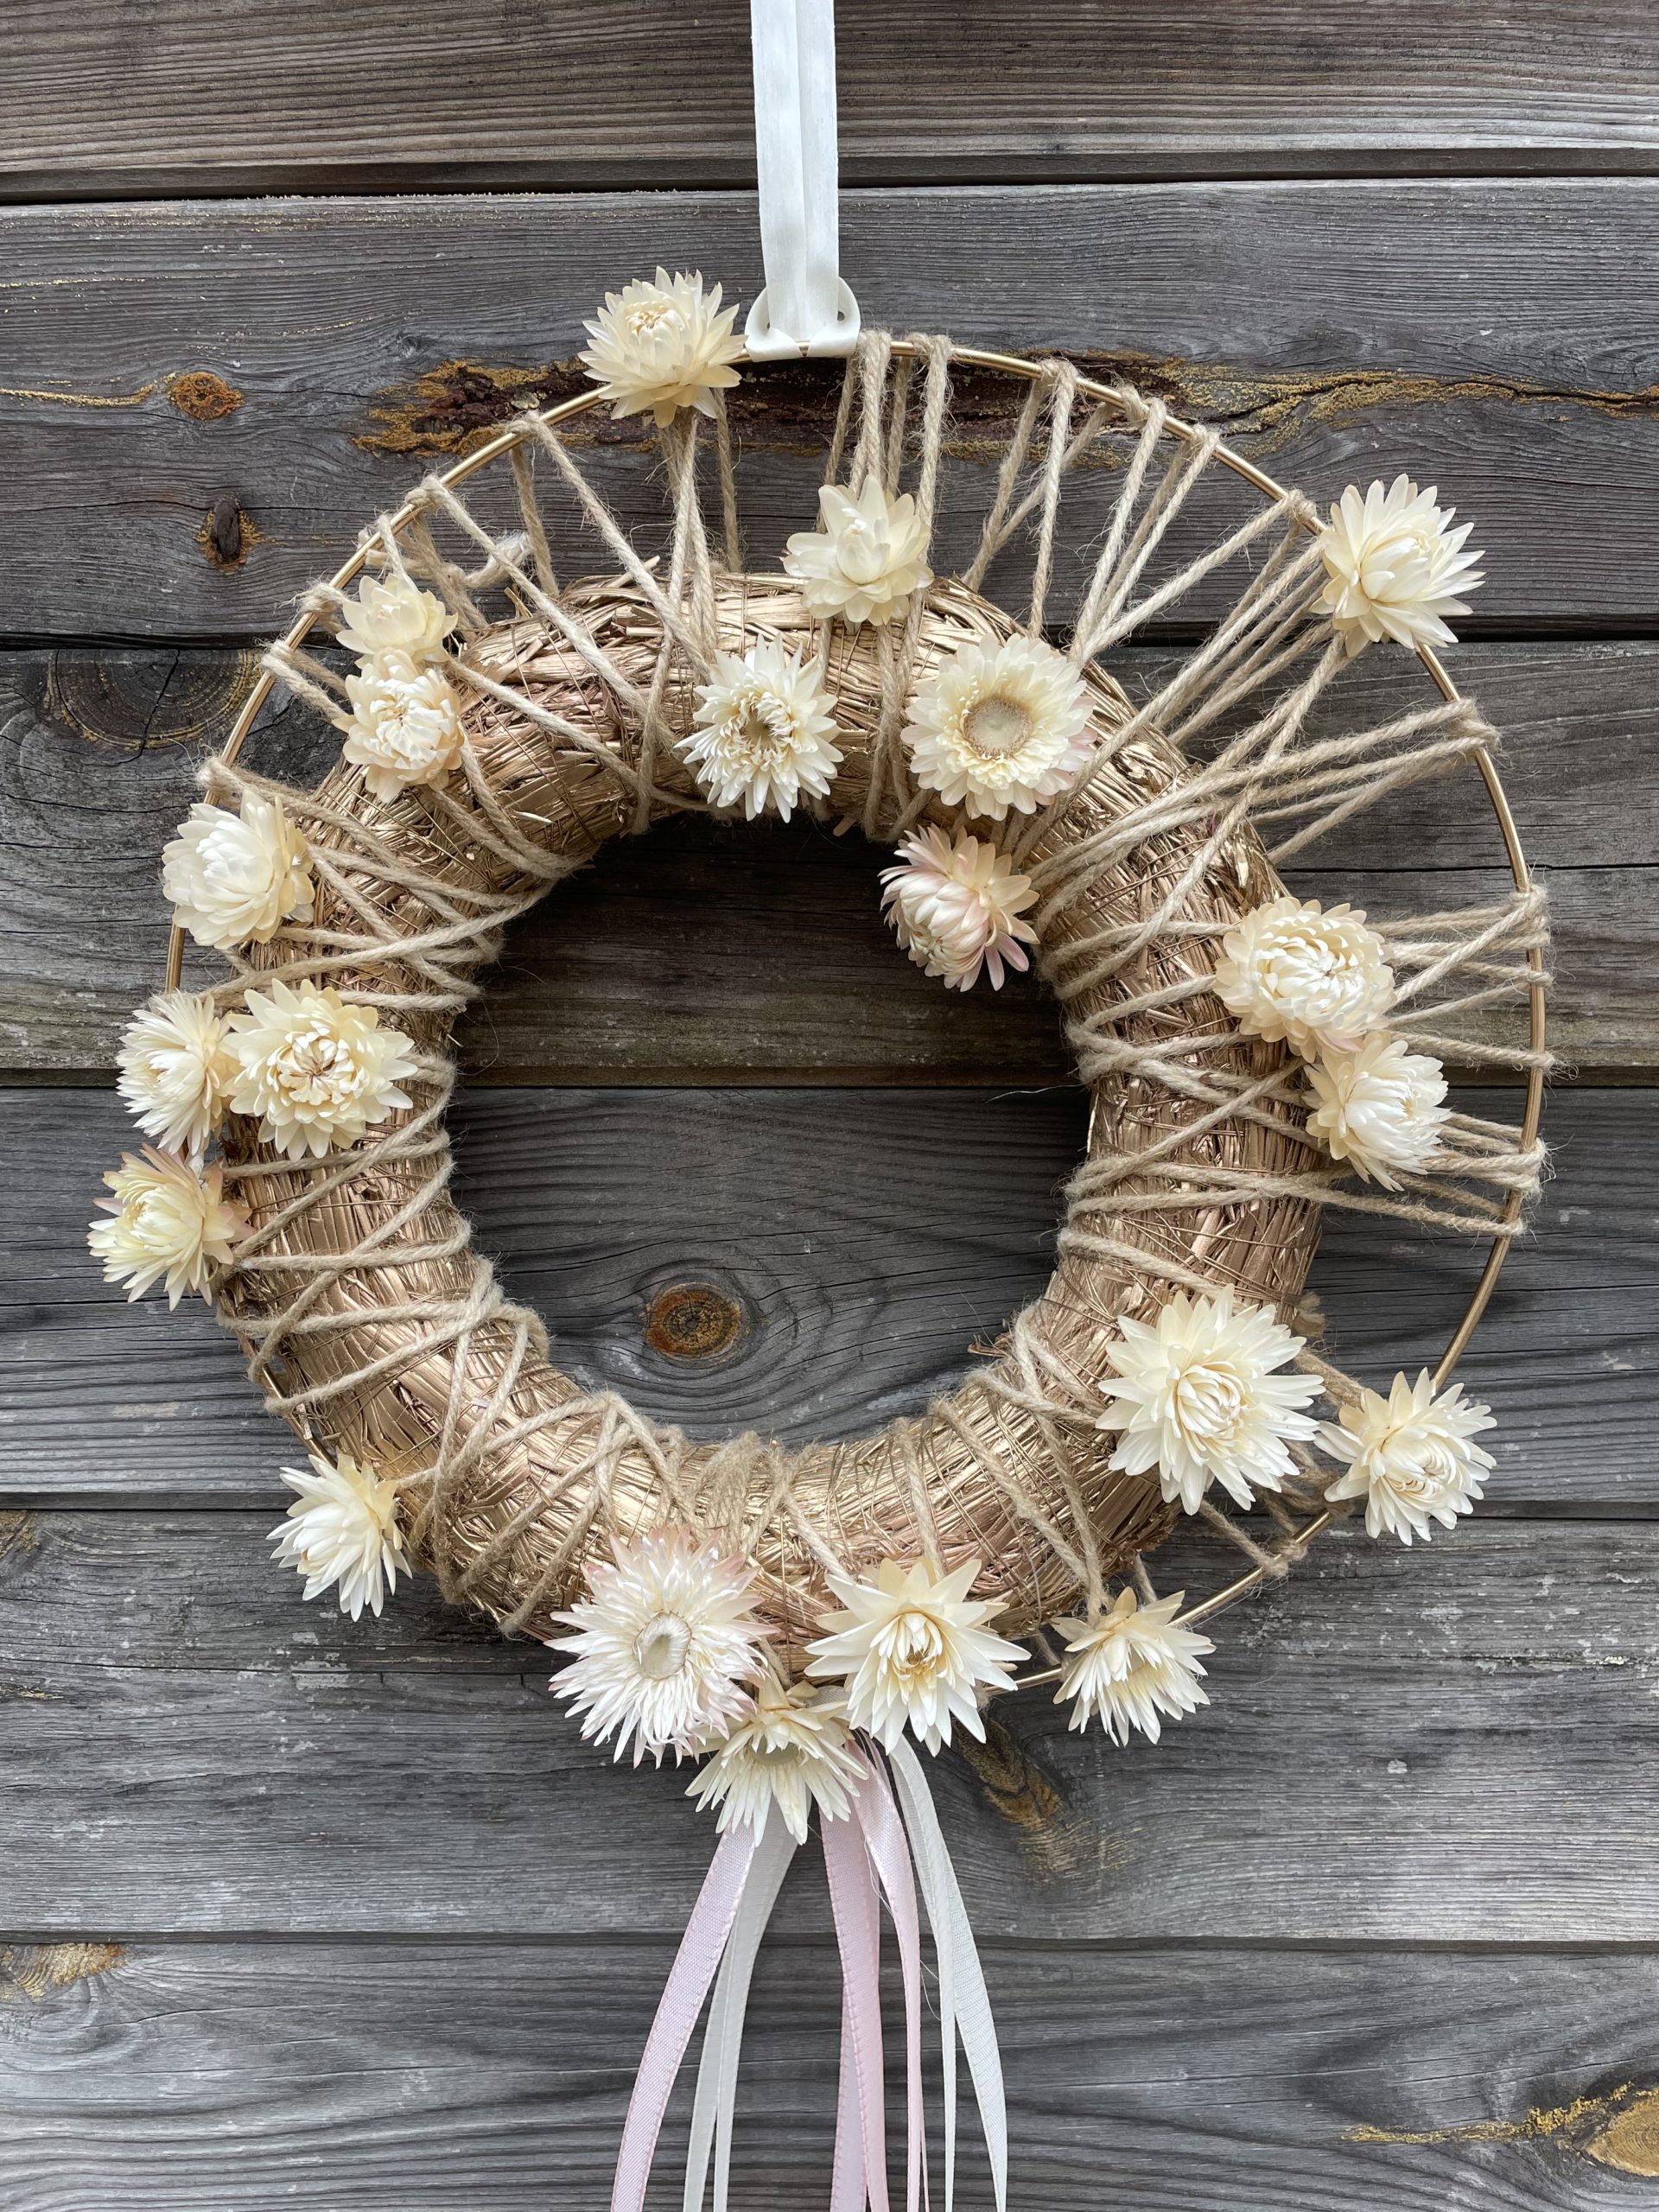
[(692, 1320)]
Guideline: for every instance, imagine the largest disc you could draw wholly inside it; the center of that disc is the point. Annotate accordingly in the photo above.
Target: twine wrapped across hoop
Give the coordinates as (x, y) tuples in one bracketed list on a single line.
[(372, 1325)]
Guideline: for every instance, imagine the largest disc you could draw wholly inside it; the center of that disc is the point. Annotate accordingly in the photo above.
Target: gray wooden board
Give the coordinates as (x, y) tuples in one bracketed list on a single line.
[(1403, 1745), (1496, 336), (100, 99), (706, 953), (869, 1237), (405, 2077)]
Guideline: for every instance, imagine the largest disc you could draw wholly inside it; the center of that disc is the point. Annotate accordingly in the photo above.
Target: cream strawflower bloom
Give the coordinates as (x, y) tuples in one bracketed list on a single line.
[(234, 879), (1410, 1456), (1394, 567), (763, 732), (913, 1649), (343, 1528), (1133, 1664), (317, 1071), (1196, 1397), (666, 1643), (866, 559), (171, 1220), (955, 905), (793, 1752), (1319, 981), (406, 724), (1379, 1109), (175, 1069), (1000, 729), (661, 346), (394, 615)]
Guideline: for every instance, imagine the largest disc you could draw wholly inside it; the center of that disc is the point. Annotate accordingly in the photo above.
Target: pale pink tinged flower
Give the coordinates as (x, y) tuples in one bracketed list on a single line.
[(955, 905)]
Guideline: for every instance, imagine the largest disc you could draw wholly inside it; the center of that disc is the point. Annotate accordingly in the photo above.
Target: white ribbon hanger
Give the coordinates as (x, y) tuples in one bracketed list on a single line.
[(804, 308)]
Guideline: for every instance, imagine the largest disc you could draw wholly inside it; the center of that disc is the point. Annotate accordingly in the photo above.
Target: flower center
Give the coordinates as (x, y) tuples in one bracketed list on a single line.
[(1207, 1401), (996, 725), (650, 316), (861, 554), (764, 731), (915, 1647), (659, 1649)]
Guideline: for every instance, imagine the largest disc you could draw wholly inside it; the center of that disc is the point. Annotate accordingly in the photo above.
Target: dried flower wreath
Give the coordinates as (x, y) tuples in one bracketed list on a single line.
[(800, 1620)]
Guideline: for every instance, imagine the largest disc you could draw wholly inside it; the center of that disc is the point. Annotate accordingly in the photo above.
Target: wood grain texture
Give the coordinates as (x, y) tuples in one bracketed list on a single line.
[(405, 2077), (1496, 336), (868, 1238), (1402, 1746), (708, 953), (100, 99)]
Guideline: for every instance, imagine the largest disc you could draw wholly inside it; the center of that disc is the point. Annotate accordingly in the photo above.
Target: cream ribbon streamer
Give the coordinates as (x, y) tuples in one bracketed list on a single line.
[(964, 2006), (804, 308)]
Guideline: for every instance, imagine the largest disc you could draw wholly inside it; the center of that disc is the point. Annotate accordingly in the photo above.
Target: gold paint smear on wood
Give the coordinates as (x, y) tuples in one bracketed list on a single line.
[(79, 398), (16, 1533), (1620, 2129), (36, 1970), (455, 406)]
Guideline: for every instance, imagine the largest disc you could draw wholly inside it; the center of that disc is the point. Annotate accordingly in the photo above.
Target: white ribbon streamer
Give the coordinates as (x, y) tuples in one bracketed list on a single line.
[(964, 2006), (804, 307)]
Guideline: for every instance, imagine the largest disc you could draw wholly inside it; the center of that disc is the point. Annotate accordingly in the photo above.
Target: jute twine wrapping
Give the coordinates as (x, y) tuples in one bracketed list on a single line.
[(371, 1324)]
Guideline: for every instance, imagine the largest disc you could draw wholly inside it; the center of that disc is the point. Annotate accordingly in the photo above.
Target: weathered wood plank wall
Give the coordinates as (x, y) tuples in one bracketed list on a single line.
[(301, 1912)]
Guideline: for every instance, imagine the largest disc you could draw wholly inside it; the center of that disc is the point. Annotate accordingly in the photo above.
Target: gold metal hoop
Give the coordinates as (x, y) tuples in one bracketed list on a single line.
[(1028, 370)]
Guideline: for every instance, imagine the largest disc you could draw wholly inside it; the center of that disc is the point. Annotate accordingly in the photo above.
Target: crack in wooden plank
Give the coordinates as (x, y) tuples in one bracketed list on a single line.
[(454, 407)]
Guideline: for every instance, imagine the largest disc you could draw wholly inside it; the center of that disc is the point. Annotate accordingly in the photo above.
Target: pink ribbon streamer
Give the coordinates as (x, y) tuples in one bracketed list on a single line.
[(693, 1972), (861, 2167)]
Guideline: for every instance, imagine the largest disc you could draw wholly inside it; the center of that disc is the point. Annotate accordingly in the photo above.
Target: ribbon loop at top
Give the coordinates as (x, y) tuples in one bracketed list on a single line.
[(805, 307)]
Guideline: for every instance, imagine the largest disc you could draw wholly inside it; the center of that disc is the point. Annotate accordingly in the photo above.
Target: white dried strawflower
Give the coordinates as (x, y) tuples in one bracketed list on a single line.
[(1393, 567), (405, 725), (394, 615), (1196, 1397), (763, 732), (1130, 1666), (955, 905), (792, 1751), (234, 879), (660, 347), (343, 1528), (1290, 970), (665, 1644), (172, 1222), (1004, 729), (175, 1069), (913, 1650), (1410, 1457), (1379, 1108), (317, 1071), (866, 561)]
